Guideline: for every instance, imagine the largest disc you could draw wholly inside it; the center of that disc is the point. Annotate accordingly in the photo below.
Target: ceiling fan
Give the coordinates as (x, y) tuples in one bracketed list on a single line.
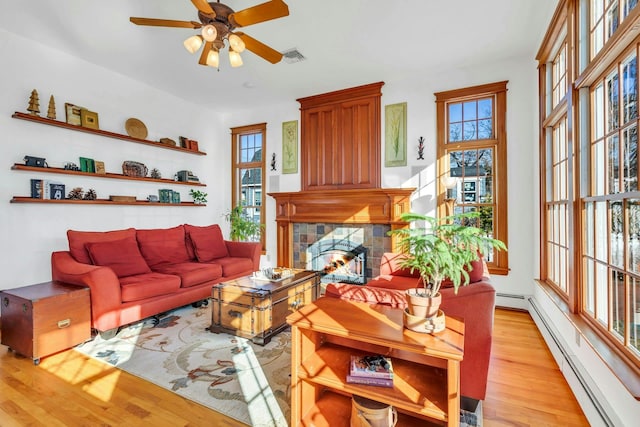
[(217, 23)]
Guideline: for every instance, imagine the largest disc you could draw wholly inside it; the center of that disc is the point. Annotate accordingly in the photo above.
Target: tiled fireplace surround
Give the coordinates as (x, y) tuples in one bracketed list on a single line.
[(364, 214)]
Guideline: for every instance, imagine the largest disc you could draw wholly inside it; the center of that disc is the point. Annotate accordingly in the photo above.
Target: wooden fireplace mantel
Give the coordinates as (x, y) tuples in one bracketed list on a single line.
[(353, 206)]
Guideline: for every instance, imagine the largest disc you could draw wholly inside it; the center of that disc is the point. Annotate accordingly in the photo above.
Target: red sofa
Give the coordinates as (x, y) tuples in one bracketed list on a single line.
[(134, 274), (475, 303)]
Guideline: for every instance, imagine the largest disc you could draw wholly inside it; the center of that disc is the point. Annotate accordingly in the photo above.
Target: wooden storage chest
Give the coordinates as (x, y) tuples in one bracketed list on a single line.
[(258, 309), (39, 320)]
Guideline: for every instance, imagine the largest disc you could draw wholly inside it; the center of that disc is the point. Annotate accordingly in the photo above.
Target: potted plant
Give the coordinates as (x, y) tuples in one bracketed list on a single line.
[(242, 227), (439, 249), (199, 197)]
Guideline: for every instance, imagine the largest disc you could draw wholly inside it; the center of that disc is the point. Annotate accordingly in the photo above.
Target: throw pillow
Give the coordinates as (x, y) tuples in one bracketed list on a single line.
[(208, 244), (188, 229), (163, 245), (79, 239), (122, 256)]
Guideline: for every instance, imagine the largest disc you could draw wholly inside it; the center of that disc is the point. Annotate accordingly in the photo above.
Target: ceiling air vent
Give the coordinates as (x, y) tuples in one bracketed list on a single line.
[(292, 56)]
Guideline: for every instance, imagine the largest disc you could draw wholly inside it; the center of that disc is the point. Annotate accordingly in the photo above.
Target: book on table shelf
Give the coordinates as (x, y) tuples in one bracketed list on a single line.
[(382, 382), (371, 366)]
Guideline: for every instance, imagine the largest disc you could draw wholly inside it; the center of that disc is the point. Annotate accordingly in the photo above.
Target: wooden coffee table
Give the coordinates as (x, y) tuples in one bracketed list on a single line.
[(258, 309), (324, 336)]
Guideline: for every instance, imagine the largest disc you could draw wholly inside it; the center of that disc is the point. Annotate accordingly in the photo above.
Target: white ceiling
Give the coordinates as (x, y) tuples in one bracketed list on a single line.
[(346, 42)]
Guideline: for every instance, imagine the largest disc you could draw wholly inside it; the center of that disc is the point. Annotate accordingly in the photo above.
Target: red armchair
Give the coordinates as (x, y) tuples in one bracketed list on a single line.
[(475, 303)]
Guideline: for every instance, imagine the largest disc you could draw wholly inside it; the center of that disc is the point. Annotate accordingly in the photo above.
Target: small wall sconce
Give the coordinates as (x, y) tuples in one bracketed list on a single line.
[(273, 161), (449, 183), (420, 148)]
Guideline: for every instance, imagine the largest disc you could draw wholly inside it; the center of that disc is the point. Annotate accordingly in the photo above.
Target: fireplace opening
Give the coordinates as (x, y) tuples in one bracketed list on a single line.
[(339, 261)]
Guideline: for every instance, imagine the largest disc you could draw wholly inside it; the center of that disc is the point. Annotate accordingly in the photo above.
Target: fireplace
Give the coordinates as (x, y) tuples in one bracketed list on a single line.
[(339, 259)]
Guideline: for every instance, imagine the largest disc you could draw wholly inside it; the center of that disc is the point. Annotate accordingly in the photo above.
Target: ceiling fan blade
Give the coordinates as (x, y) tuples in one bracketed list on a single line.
[(260, 48), (205, 51), (263, 12), (203, 7), (165, 22)]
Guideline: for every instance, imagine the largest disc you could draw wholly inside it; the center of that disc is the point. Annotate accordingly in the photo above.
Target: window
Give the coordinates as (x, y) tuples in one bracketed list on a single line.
[(248, 172), (590, 223), (472, 147)]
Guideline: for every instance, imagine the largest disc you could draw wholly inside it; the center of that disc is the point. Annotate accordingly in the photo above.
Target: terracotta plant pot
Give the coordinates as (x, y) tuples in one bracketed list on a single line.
[(422, 306)]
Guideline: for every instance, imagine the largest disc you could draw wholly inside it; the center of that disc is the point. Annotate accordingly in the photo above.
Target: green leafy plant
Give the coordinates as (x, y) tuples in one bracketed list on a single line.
[(242, 227), (199, 197), (442, 248)]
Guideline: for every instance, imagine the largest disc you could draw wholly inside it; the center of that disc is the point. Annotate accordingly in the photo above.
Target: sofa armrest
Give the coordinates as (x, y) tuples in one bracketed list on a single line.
[(249, 250), (102, 281)]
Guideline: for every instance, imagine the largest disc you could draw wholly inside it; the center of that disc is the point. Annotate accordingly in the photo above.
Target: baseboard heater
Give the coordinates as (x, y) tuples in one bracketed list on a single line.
[(597, 405)]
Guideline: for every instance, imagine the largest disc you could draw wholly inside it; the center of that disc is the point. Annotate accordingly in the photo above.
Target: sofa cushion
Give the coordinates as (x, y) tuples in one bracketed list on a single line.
[(234, 266), (78, 240), (368, 294), (191, 273), (208, 243), (163, 245), (143, 286), (476, 273), (390, 264), (188, 228), (122, 256)]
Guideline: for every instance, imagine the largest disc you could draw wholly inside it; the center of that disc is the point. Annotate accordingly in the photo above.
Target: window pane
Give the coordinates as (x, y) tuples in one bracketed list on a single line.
[(590, 286), (634, 321), (598, 177), (613, 19), (485, 108), (612, 102), (598, 112), (617, 302), (629, 4), (630, 89), (601, 231), (470, 111), (602, 300), (455, 132), (455, 112), (633, 235), (630, 147), (470, 130), (588, 230), (614, 164), (617, 235)]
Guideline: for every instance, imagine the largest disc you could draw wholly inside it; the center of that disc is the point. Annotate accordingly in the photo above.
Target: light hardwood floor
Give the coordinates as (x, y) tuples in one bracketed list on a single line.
[(526, 388)]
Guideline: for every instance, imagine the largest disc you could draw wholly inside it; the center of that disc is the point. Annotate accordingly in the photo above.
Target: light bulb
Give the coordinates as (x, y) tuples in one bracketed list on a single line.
[(213, 59), (236, 43), (209, 33), (193, 43), (234, 58), (449, 182)]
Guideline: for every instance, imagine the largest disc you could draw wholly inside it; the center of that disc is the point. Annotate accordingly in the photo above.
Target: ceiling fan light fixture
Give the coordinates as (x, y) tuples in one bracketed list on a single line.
[(236, 43), (209, 33), (213, 58), (193, 43), (234, 58)]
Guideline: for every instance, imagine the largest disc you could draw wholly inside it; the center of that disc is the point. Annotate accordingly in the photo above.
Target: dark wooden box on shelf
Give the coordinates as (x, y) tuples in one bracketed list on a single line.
[(43, 319)]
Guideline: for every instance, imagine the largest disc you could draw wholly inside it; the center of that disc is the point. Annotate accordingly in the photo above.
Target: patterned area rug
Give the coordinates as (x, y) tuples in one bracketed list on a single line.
[(228, 374)]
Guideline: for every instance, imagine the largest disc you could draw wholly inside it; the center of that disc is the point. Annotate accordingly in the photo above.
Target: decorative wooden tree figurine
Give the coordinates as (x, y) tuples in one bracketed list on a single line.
[(34, 103), (51, 113)]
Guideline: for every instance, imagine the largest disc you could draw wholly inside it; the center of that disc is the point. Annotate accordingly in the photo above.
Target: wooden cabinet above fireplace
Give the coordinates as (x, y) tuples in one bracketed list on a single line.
[(340, 139)]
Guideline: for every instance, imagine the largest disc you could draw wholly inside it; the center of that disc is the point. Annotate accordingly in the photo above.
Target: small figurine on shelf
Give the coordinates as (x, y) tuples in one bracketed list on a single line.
[(75, 194), (90, 195), (51, 112), (155, 173), (71, 166), (421, 148), (34, 103)]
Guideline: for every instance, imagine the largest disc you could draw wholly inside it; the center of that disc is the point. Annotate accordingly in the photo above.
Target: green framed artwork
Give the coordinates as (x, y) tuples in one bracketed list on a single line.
[(290, 147), (395, 137)]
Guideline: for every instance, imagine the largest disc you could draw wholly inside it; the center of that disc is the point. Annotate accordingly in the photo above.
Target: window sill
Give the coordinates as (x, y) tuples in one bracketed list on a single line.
[(623, 369)]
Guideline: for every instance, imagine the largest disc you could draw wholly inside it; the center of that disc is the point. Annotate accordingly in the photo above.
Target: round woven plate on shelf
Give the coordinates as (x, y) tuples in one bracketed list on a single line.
[(135, 128)]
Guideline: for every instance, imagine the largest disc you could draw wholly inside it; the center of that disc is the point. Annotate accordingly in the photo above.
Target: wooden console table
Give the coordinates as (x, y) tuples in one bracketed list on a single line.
[(426, 367)]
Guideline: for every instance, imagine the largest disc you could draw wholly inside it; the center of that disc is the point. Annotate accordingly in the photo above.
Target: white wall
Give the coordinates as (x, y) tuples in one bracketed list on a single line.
[(30, 232)]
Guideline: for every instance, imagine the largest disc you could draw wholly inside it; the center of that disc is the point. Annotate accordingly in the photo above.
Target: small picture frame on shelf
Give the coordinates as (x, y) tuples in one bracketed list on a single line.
[(193, 145), (100, 167), (89, 119), (73, 114)]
